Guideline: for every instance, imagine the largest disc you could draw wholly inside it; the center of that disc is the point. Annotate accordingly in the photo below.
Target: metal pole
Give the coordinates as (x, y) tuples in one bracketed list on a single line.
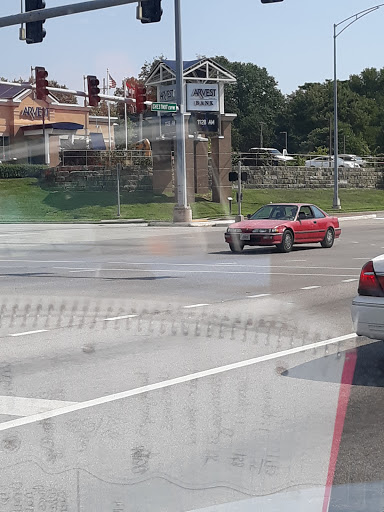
[(330, 141), (118, 170), (44, 138), (336, 199), (141, 126), (239, 187), (182, 201), (125, 117), (56, 12), (261, 135)]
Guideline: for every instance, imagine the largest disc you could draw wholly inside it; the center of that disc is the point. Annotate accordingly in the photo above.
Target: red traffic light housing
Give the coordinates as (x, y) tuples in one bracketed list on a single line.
[(41, 83), (93, 90), (35, 32), (141, 98)]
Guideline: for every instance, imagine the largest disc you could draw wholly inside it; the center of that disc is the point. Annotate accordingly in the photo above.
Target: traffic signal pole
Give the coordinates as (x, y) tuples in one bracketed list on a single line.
[(182, 212)]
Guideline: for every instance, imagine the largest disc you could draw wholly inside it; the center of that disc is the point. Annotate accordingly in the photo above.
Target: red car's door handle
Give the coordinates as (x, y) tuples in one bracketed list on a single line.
[(315, 222)]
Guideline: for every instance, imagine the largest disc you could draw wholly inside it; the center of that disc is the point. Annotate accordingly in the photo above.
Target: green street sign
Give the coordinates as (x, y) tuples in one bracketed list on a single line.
[(164, 107)]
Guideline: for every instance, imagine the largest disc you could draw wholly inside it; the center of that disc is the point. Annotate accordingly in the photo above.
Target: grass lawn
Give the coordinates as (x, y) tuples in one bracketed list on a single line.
[(24, 199)]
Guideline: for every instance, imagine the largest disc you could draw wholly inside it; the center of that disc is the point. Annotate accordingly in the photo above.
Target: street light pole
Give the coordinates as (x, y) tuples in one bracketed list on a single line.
[(336, 199), (182, 212), (261, 134), (350, 20), (286, 140)]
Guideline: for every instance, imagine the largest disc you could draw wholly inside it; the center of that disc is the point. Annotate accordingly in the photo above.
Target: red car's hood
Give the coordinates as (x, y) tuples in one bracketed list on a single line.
[(257, 224)]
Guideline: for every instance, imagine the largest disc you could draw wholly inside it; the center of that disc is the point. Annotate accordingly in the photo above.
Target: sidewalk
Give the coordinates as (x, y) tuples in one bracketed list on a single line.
[(198, 223)]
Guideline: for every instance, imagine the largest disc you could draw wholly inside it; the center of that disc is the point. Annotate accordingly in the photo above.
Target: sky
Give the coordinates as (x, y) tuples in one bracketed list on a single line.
[(292, 39)]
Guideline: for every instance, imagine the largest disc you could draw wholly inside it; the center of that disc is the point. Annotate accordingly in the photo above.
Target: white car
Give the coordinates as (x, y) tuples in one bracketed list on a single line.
[(269, 156), (326, 162), (368, 306), (354, 158)]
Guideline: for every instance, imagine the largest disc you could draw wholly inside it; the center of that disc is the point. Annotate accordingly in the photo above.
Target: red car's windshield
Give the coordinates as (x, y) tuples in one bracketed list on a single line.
[(274, 211)]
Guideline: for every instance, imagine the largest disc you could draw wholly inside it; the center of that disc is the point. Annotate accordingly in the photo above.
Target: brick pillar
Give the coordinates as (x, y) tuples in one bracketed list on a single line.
[(162, 166), (201, 167), (222, 161)]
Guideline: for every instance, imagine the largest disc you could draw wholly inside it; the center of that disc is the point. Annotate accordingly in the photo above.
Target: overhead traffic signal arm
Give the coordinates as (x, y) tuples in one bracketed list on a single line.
[(35, 32), (93, 90), (41, 83)]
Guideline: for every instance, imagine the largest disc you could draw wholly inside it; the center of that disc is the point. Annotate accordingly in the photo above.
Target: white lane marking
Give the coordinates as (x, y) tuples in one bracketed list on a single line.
[(195, 306), (7, 425), (123, 317), (28, 332), (20, 406), (253, 264), (259, 295), (297, 261), (365, 259), (349, 280), (85, 270), (355, 242), (175, 271), (310, 287)]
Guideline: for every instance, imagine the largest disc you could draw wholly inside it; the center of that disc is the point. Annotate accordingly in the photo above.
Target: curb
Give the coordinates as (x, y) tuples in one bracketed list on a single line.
[(358, 217)]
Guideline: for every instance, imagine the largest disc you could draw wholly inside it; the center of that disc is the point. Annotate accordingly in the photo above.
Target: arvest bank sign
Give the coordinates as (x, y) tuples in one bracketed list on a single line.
[(35, 112), (203, 97)]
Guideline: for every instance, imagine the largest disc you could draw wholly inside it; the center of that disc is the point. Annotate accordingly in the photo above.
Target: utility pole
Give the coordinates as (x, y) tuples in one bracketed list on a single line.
[(182, 212)]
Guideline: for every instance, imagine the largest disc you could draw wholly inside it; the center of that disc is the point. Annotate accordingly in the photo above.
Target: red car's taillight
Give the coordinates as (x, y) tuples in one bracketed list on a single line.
[(369, 282)]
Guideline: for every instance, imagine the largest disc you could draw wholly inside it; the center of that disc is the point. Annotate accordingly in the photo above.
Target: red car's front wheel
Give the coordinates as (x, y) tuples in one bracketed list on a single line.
[(287, 242)]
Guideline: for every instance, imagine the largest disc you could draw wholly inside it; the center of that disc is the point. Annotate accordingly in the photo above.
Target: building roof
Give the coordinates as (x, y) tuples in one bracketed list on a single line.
[(199, 70), (8, 91), (186, 64)]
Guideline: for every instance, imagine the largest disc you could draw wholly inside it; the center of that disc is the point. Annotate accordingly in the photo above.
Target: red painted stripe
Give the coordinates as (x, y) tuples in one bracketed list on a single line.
[(344, 393)]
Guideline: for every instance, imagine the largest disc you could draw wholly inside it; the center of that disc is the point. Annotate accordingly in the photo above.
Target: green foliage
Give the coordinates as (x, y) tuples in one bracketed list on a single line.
[(255, 99), (309, 111), (21, 171)]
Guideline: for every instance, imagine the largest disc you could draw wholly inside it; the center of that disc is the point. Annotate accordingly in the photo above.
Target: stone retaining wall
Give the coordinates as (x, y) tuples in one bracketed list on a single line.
[(301, 177), (96, 178)]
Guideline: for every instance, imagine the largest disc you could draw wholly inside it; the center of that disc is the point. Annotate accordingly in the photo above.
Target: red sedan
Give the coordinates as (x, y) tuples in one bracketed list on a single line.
[(283, 225)]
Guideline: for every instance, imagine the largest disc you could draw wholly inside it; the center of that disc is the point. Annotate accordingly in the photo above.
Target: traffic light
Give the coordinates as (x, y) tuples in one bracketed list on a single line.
[(41, 83), (35, 32), (141, 97), (150, 11), (234, 176), (93, 90)]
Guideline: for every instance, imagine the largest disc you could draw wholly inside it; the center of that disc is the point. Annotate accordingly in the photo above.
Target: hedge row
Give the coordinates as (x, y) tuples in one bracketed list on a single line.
[(21, 171)]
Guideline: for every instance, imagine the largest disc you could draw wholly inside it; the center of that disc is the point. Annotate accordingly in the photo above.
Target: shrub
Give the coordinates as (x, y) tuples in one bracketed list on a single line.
[(22, 171)]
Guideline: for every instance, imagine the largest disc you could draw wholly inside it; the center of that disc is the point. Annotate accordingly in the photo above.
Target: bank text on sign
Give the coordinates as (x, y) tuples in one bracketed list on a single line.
[(203, 97), (164, 107), (35, 112)]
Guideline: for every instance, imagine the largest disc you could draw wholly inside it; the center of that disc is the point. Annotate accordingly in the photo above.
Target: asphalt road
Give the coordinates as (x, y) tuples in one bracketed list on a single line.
[(148, 369)]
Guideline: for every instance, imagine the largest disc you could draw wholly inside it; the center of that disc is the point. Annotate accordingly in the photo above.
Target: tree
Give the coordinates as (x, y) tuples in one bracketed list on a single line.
[(61, 96), (255, 99)]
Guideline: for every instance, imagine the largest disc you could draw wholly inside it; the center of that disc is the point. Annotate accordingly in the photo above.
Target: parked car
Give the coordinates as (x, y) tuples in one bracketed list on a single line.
[(326, 162), (267, 156), (368, 306), (284, 225), (354, 158)]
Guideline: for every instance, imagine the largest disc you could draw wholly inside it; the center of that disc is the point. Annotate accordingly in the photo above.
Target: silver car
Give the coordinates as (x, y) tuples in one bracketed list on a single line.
[(326, 162), (368, 306)]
